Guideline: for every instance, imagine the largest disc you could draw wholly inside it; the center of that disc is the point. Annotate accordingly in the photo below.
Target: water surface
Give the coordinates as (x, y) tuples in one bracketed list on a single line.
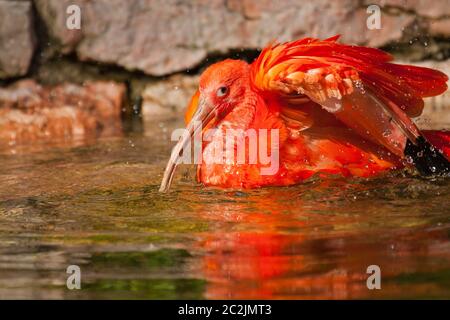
[(96, 205)]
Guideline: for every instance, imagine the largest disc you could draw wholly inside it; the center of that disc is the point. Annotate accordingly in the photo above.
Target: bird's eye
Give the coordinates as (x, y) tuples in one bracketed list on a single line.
[(222, 91)]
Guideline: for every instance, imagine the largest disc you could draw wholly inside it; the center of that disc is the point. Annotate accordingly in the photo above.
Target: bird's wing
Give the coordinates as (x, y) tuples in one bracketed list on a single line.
[(358, 85)]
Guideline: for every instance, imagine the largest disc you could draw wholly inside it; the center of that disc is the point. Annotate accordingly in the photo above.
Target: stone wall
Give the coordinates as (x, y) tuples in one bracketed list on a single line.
[(148, 41), (17, 38), (160, 37), (65, 113)]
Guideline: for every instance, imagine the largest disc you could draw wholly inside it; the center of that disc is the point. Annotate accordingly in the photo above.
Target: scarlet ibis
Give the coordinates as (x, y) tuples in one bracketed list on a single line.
[(337, 109)]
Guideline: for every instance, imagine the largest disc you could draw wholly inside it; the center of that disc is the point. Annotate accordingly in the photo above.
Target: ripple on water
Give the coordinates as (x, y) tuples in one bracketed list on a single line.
[(99, 206)]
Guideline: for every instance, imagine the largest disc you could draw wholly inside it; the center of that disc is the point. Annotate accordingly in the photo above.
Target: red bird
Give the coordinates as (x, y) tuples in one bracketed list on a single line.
[(337, 109)]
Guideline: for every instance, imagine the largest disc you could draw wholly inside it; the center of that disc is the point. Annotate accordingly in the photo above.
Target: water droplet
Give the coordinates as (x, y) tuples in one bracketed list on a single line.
[(359, 84)]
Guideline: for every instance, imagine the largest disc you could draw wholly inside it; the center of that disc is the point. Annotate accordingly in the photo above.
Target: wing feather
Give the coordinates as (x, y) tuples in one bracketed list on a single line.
[(359, 85)]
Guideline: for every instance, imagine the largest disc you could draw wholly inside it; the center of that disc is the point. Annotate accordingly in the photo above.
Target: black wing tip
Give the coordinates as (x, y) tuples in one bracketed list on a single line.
[(428, 160)]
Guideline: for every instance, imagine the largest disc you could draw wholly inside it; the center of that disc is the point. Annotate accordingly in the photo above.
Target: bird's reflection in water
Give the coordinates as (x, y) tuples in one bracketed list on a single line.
[(274, 245)]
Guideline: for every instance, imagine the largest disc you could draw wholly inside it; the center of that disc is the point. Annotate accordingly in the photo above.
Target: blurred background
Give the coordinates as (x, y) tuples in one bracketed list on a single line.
[(90, 91), (150, 53)]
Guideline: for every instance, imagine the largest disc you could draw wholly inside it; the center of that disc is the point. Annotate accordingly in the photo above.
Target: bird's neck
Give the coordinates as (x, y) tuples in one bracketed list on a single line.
[(242, 115), (244, 144)]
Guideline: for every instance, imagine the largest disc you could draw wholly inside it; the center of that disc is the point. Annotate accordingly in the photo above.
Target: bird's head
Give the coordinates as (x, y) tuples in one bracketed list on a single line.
[(222, 86)]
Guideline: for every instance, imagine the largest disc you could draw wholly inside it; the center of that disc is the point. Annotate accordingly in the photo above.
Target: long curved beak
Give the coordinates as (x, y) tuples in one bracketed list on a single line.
[(204, 114)]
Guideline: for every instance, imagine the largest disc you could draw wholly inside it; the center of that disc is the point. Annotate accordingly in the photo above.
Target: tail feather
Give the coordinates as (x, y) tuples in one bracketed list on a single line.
[(431, 153), (439, 139)]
